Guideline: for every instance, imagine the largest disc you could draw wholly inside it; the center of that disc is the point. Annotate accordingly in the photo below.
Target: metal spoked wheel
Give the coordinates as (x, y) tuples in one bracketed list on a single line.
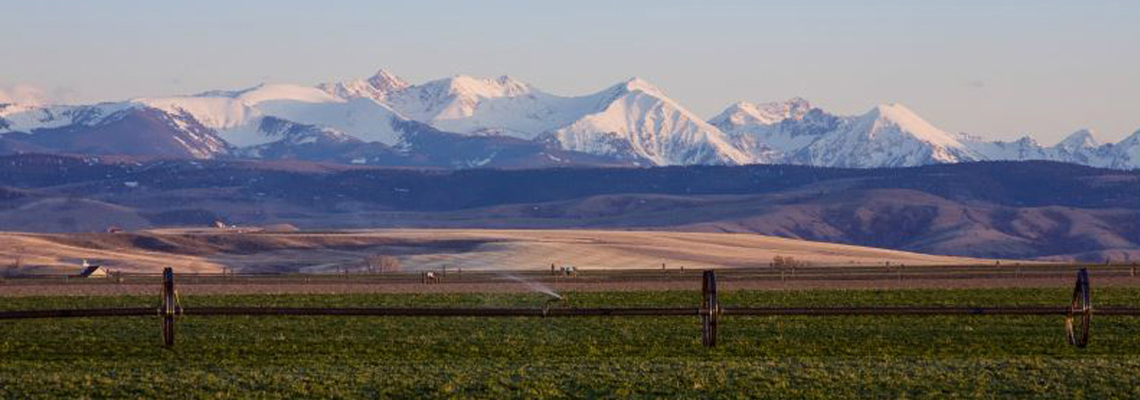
[(710, 309), (1077, 332), (169, 303)]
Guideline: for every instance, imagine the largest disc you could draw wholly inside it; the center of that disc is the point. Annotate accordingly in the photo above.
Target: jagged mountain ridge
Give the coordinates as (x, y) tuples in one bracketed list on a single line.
[(891, 135), (631, 123), (633, 120)]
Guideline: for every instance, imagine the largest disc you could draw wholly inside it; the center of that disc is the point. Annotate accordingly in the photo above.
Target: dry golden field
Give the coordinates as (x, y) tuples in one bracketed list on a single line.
[(211, 250)]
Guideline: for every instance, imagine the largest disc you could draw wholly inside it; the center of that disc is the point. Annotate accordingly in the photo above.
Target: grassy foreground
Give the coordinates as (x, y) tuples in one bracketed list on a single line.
[(785, 357)]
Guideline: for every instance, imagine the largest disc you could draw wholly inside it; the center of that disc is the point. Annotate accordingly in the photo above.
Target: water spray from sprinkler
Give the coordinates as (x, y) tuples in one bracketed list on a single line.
[(535, 286)]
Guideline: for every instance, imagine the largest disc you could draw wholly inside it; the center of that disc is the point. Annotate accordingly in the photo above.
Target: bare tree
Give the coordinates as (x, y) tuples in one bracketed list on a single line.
[(18, 260), (382, 263)]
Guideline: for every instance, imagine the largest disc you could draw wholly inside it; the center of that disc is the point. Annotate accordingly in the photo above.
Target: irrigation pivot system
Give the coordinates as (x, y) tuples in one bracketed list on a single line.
[(1077, 314)]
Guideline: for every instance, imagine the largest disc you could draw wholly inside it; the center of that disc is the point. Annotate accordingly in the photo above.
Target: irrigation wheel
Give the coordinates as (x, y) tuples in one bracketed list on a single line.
[(1082, 305), (167, 310)]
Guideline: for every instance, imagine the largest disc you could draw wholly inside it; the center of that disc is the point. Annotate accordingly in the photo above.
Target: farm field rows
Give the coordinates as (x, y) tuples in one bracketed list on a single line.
[(787, 357)]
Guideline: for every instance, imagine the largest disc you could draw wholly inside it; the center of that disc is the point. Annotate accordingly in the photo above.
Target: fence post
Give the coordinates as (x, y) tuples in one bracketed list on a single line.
[(710, 309), (168, 304)]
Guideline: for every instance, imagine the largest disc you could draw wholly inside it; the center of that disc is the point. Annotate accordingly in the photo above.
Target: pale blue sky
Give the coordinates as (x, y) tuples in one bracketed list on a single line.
[(995, 68)]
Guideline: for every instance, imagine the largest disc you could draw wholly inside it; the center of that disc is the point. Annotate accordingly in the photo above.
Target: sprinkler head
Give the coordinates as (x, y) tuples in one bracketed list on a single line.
[(556, 301)]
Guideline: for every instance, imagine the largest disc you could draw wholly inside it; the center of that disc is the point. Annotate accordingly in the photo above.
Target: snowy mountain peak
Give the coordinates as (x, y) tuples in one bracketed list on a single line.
[(385, 81), (798, 102), (898, 116), (636, 84), (1079, 140), (469, 86), (378, 87), (1028, 141), (895, 111), (745, 113), (460, 98), (634, 120), (507, 80), (1133, 139), (285, 92), (1124, 154), (13, 108), (889, 135), (794, 107)]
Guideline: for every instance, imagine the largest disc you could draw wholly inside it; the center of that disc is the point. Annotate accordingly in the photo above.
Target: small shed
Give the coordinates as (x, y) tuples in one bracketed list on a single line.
[(91, 271)]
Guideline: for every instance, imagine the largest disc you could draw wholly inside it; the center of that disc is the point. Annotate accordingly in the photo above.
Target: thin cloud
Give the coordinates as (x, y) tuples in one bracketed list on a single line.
[(23, 94)]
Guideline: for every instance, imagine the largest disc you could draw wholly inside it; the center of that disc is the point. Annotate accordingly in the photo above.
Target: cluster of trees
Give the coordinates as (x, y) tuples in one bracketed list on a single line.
[(787, 262)]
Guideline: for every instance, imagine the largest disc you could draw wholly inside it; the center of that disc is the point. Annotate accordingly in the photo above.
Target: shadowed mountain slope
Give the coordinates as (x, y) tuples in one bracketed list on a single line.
[(991, 209)]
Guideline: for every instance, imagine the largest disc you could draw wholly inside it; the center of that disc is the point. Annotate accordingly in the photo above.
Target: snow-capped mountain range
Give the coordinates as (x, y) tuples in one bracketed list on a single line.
[(464, 121)]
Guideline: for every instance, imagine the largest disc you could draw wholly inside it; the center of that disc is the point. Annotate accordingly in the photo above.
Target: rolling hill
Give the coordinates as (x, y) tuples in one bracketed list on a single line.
[(1040, 210)]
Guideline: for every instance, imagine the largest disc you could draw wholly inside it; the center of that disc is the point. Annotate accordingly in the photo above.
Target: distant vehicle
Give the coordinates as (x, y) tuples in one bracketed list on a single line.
[(570, 270)]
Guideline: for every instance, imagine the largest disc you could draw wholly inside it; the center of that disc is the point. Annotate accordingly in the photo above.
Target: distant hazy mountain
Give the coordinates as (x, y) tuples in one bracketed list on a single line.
[(794, 132), (475, 122), (1081, 147), (108, 129)]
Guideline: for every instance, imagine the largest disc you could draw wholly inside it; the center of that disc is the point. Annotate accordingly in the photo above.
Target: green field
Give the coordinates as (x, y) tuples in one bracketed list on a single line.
[(785, 357)]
